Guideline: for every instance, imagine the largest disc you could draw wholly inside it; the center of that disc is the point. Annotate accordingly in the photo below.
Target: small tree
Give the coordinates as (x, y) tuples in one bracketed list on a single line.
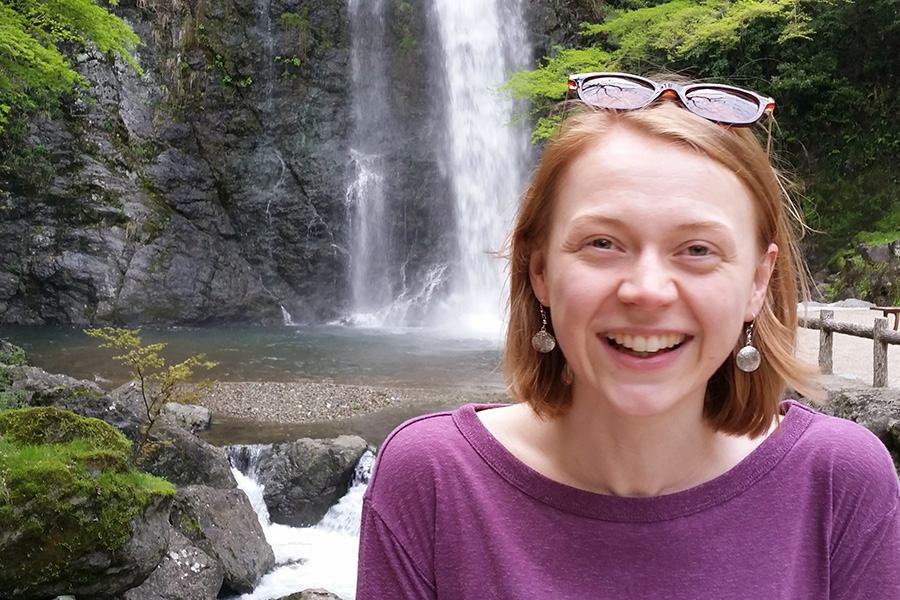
[(157, 383)]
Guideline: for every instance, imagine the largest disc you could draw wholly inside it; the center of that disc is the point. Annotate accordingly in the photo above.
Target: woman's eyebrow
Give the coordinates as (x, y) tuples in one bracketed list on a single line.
[(608, 220)]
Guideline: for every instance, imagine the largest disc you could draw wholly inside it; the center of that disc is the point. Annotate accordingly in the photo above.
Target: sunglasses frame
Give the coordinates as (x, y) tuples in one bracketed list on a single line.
[(765, 104)]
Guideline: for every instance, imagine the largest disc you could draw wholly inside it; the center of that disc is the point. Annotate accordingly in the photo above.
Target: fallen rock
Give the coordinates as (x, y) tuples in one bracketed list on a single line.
[(191, 417)]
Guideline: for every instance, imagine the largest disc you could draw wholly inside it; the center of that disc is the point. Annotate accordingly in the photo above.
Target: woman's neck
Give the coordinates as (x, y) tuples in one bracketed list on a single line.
[(612, 454), (637, 456)]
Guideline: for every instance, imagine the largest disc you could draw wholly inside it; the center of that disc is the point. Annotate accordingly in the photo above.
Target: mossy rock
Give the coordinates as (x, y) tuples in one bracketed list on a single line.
[(69, 504), (49, 425)]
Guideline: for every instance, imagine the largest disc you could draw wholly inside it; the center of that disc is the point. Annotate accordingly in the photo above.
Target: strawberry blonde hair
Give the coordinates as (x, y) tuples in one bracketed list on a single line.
[(737, 403)]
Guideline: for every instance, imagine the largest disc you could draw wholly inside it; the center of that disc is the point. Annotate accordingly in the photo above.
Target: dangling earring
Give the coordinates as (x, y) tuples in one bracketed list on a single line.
[(543, 341), (748, 357)]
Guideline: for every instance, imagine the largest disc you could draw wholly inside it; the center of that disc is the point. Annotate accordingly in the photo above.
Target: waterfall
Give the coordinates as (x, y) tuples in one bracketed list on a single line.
[(373, 120), (321, 556), (468, 47), (481, 42)]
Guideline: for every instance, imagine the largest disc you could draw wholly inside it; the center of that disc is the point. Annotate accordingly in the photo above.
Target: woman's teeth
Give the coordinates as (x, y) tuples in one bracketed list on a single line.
[(648, 344)]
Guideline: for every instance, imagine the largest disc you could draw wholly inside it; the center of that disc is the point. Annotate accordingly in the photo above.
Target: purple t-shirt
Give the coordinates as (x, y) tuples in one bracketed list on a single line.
[(811, 514)]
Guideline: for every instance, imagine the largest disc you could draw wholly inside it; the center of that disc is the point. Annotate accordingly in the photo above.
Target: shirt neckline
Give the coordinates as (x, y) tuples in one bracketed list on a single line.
[(634, 510)]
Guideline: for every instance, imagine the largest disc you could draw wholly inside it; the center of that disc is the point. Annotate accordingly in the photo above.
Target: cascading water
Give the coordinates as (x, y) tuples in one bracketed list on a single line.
[(471, 45), (481, 43), (371, 253), (322, 556)]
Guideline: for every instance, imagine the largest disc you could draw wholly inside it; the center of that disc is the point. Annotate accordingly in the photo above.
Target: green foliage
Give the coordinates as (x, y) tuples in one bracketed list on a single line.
[(66, 492), (830, 65), (33, 71), (15, 356), (158, 384), (292, 19), (10, 399), (403, 24)]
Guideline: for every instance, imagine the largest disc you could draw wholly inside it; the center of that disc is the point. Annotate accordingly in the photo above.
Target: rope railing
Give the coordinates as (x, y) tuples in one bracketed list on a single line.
[(880, 335)]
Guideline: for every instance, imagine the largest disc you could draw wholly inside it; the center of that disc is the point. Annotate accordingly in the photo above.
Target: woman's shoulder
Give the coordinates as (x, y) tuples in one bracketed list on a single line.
[(424, 449), (847, 457)]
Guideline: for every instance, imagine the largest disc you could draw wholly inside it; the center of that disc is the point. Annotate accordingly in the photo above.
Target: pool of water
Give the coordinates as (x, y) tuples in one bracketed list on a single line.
[(408, 357), (383, 357)]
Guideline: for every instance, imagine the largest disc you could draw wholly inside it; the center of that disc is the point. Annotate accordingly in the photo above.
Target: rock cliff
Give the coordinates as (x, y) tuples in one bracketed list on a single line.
[(212, 188)]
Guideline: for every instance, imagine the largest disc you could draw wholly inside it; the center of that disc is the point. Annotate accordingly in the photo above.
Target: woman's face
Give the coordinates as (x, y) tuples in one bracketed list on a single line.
[(650, 270)]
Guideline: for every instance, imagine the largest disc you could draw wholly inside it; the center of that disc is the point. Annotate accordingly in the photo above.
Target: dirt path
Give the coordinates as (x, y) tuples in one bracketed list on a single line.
[(852, 355)]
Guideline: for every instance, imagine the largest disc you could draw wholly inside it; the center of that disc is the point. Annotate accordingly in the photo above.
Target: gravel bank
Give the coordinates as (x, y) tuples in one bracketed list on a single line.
[(308, 402)]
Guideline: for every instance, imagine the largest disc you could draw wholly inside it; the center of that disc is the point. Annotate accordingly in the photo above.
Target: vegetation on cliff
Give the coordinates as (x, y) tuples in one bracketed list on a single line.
[(33, 69), (830, 65)]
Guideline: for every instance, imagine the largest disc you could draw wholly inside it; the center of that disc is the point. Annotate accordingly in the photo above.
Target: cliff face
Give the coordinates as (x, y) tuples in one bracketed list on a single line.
[(213, 189)]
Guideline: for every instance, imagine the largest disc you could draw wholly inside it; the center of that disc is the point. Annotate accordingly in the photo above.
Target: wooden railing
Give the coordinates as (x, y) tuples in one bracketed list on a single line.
[(880, 335)]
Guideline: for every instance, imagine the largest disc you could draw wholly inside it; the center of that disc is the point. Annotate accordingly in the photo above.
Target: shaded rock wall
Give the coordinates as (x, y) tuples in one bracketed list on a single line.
[(213, 189)]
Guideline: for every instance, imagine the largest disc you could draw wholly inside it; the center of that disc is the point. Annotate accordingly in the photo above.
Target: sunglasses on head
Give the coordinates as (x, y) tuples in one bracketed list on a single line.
[(724, 104)]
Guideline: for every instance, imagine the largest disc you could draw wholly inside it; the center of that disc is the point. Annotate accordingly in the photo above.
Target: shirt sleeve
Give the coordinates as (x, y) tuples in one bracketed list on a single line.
[(386, 571), (865, 557), (869, 567)]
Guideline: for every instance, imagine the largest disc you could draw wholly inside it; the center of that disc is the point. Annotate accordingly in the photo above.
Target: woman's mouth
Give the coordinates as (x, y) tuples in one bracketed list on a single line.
[(644, 346)]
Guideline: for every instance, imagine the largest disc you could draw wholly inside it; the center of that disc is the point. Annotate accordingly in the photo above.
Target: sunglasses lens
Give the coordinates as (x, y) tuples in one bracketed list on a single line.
[(617, 93), (723, 105)]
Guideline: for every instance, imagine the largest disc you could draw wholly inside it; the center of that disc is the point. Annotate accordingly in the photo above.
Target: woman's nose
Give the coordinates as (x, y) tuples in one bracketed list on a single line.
[(648, 282)]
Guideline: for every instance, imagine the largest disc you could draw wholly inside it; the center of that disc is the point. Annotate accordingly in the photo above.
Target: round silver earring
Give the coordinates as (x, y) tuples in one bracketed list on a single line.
[(748, 357), (543, 341)]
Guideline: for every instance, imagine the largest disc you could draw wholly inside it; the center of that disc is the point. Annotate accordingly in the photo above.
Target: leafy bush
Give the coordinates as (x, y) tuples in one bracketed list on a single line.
[(157, 384)]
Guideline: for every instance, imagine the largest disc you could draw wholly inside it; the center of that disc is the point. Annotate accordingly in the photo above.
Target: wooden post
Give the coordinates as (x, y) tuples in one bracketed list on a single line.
[(826, 337), (879, 353)]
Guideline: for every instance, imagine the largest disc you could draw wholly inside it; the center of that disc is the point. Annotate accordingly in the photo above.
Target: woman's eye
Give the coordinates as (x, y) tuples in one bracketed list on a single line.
[(697, 250), (602, 243)]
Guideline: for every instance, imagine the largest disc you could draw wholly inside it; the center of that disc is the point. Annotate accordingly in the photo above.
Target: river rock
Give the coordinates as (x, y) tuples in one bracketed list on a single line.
[(72, 531), (36, 387), (185, 571), (223, 524), (876, 409), (191, 417), (184, 459), (303, 479)]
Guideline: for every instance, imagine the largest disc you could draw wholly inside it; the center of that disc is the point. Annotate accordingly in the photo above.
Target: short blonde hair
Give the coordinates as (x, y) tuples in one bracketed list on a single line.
[(737, 403)]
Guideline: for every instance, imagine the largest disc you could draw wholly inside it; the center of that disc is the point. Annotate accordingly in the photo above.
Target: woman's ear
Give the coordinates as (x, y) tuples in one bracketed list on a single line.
[(536, 274), (761, 282)]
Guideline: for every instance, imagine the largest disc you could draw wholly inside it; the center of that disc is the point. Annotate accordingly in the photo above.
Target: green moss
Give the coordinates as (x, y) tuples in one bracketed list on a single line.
[(292, 19), (189, 525), (66, 490), (49, 425)]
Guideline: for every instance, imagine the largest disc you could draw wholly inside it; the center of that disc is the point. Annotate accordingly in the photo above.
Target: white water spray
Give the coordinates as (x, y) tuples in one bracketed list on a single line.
[(323, 556)]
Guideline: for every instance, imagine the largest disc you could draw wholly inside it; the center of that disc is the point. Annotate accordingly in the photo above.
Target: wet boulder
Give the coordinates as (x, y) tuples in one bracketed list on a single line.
[(222, 524), (303, 479)]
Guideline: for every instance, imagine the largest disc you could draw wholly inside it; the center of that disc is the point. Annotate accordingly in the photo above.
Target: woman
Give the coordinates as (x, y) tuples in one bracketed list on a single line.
[(651, 335)]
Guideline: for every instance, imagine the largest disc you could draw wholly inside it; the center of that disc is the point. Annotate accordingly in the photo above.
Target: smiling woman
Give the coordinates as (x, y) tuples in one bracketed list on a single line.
[(644, 458)]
